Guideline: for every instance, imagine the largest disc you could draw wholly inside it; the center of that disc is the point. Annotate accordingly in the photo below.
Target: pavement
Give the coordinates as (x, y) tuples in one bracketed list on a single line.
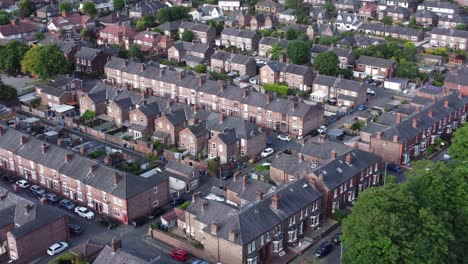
[(332, 258), (23, 84)]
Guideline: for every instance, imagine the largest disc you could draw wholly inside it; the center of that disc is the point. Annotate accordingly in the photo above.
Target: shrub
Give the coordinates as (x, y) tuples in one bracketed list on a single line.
[(158, 145), (357, 126), (127, 137), (213, 165), (197, 244), (262, 168), (277, 88), (437, 142), (184, 205), (431, 150), (340, 215), (97, 153)]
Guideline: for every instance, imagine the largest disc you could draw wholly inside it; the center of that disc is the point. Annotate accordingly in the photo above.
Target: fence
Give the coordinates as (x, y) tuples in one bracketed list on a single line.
[(33, 111)]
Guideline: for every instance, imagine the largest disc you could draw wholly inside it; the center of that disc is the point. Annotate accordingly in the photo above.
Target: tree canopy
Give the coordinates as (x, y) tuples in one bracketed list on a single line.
[(459, 147), (327, 63), (134, 51), (89, 8), (172, 14), (145, 22), (387, 20), (219, 28), (11, 55), (7, 92), (200, 68), (276, 51), (26, 8), (44, 61), (118, 4), (298, 52), (65, 6), (187, 35), (4, 17)]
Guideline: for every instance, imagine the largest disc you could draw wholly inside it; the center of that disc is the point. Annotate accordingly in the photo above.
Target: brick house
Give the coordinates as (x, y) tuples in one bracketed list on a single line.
[(48, 11), (426, 18), (243, 190), (171, 122), (89, 60), (190, 53), (266, 43), (397, 13), (458, 81), (320, 29), (243, 39), (452, 22), (441, 8), (239, 18), (261, 21), (228, 62), (410, 34), (18, 30), (375, 68), (84, 181), (194, 138), (59, 90), (347, 6), (296, 76), (142, 118), (456, 39), (368, 11), (147, 7), (409, 136), (120, 106), (346, 57), (28, 229), (70, 24), (116, 34), (347, 21), (202, 33), (269, 6), (287, 213), (95, 100), (153, 42), (349, 93), (182, 178)]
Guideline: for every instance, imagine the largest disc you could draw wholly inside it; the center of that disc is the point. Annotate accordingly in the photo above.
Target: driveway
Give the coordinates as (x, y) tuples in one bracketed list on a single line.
[(22, 84)]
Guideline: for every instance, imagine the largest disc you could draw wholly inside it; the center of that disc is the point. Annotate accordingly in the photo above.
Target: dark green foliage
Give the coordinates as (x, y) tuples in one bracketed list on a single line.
[(298, 52), (327, 63), (172, 14), (187, 35), (134, 51), (89, 8), (26, 8), (65, 6), (11, 55), (8, 92)]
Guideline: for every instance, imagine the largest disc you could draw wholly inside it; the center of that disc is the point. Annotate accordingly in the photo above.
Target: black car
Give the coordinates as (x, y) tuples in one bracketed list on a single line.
[(336, 238), (227, 175), (176, 201), (395, 168), (139, 222), (106, 222), (9, 178), (74, 229), (323, 249)]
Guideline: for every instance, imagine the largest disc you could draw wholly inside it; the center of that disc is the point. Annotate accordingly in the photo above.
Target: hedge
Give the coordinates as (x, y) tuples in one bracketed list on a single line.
[(277, 88)]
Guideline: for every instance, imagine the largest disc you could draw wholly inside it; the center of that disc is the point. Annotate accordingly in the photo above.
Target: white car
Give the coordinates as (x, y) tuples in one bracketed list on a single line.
[(37, 190), (370, 91), (267, 152), (322, 129), (57, 248), (84, 212), (284, 138), (23, 184)]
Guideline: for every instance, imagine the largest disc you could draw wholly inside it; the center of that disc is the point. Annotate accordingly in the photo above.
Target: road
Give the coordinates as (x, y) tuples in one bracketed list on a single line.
[(332, 258), (132, 238)]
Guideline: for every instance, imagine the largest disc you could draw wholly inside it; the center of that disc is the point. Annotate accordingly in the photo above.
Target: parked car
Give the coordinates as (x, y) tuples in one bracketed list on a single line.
[(232, 74), (23, 184), (394, 168), (336, 238), (107, 223), (175, 201), (198, 261), (51, 197), (137, 222), (8, 178), (84, 212), (37, 190), (179, 254), (323, 249), (332, 101), (322, 129), (370, 92), (67, 204), (267, 152), (446, 157), (284, 138), (57, 248), (74, 229), (362, 107), (227, 175)]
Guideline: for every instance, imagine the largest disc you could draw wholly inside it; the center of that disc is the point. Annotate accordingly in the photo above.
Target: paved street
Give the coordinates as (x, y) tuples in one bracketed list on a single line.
[(332, 258)]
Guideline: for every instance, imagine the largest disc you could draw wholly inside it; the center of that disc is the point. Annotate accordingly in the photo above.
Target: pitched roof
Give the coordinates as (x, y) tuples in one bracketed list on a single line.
[(449, 32), (243, 129), (116, 29), (107, 256), (249, 193), (87, 53), (239, 33), (373, 61), (323, 150), (22, 27)]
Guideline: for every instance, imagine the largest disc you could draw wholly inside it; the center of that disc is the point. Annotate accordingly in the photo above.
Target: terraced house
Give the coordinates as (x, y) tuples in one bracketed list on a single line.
[(286, 116), (108, 191)]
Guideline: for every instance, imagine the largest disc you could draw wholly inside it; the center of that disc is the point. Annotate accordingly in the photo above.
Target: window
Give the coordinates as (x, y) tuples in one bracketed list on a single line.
[(155, 189), (262, 240), (155, 203), (116, 212), (117, 201), (252, 260), (277, 246), (213, 146), (314, 221), (251, 247), (292, 235)]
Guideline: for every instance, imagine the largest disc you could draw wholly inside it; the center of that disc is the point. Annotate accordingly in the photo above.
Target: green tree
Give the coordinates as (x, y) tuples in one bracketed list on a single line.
[(26, 8), (172, 14), (89, 115), (298, 52), (144, 22), (4, 17), (219, 28), (44, 61), (330, 9), (118, 4), (328, 40), (408, 52), (39, 35), (460, 27), (387, 20), (8, 92), (291, 34), (65, 6), (89, 8), (134, 51), (187, 35), (459, 147), (388, 226), (276, 51), (11, 55), (407, 69), (200, 68), (327, 63)]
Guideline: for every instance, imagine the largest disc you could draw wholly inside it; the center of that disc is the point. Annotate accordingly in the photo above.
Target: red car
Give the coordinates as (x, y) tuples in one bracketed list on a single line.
[(179, 254)]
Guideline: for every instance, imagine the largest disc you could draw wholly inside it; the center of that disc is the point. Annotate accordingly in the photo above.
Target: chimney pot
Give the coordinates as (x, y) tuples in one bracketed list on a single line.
[(275, 201), (116, 178), (348, 159), (221, 118), (22, 140), (268, 98), (321, 176), (92, 168), (378, 134), (44, 148), (82, 150), (244, 93), (333, 154), (259, 195), (398, 118), (232, 234), (446, 103), (68, 157), (108, 160), (429, 113), (395, 138), (415, 122), (460, 94), (204, 206)]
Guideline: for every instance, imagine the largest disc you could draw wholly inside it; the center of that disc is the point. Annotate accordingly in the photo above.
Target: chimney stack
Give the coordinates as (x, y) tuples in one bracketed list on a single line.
[(221, 118), (460, 94), (22, 140), (348, 159), (92, 168), (44, 148), (64, 13), (179, 75), (116, 178), (415, 122), (268, 98), (395, 138), (398, 118), (68, 157), (108, 160), (59, 142), (378, 134), (333, 154), (82, 150), (195, 196), (321, 177), (221, 85), (429, 113), (214, 229), (204, 206), (259, 195), (244, 182), (232, 234), (446, 103), (28, 208), (244, 93), (14, 22), (116, 244), (200, 81), (275, 201)]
